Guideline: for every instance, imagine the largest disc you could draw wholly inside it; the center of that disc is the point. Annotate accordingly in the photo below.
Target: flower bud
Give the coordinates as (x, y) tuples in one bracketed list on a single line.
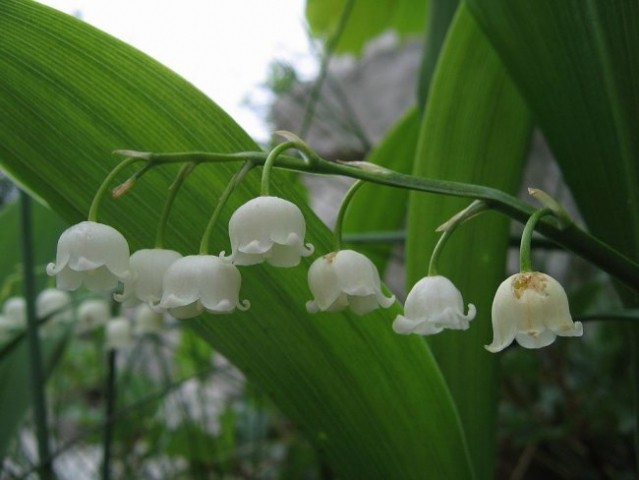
[(345, 279), (92, 254), (55, 304), (93, 313), (147, 320), (433, 304), (147, 269), (268, 229), (118, 333), (15, 313), (201, 282)]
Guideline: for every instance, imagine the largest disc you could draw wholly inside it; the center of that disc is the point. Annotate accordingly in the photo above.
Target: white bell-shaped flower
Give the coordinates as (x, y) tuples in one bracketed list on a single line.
[(345, 279), (92, 254), (15, 313), (433, 304), (268, 229), (531, 308), (118, 333), (201, 282), (93, 313), (147, 268), (147, 320), (55, 305)]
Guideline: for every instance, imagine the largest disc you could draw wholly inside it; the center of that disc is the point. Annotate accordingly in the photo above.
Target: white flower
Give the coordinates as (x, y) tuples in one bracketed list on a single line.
[(55, 304), (345, 279), (268, 229), (201, 282), (531, 308), (433, 304), (147, 269), (147, 320), (15, 313), (92, 254), (93, 313), (118, 333)]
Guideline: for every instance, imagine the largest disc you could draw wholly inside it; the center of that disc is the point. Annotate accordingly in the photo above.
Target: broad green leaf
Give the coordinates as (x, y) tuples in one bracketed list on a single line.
[(367, 20), (576, 64), (440, 14), (475, 129), (374, 404), (375, 209)]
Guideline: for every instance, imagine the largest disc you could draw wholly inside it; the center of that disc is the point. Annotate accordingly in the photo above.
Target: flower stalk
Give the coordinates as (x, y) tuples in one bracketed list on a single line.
[(571, 238), (95, 204), (525, 256), (268, 164), (184, 172), (339, 221), (237, 178)]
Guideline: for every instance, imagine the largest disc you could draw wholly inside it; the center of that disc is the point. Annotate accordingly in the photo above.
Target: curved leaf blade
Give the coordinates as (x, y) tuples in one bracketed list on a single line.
[(374, 404), (475, 129), (576, 64)]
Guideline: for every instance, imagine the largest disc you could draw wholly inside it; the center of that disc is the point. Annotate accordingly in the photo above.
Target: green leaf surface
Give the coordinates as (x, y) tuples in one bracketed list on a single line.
[(367, 20), (476, 129), (47, 227), (577, 65), (15, 389), (440, 14), (374, 404), (375, 209)]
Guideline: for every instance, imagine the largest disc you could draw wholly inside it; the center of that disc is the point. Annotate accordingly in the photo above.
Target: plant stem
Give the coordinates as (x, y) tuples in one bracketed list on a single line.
[(237, 178), (439, 246), (93, 210), (186, 169), (471, 211), (339, 221), (109, 411), (571, 238), (38, 394), (268, 164), (525, 257)]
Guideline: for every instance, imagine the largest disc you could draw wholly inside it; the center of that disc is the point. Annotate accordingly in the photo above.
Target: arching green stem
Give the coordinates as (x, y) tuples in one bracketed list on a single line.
[(474, 209), (339, 221), (525, 260), (571, 237), (93, 211), (186, 169), (237, 178), (432, 265), (268, 164)]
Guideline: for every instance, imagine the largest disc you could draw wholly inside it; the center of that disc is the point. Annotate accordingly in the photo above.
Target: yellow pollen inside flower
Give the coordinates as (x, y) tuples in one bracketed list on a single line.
[(528, 281)]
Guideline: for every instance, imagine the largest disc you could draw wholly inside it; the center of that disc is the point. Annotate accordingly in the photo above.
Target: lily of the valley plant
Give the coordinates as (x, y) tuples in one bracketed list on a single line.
[(529, 307)]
